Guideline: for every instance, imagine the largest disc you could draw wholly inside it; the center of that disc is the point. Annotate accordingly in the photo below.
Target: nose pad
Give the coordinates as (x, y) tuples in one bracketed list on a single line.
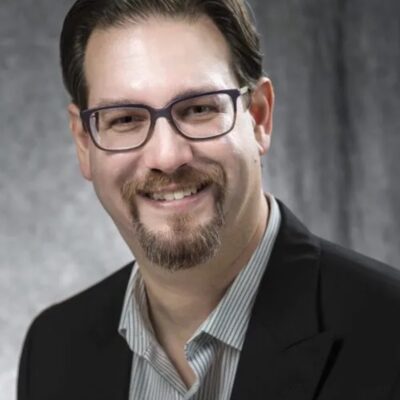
[(166, 149)]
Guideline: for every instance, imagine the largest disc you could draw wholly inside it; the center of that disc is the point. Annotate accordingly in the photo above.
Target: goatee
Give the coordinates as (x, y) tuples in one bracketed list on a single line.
[(185, 244)]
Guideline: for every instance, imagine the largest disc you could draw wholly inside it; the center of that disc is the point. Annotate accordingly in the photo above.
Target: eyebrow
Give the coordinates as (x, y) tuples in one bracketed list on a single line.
[(180, 95)]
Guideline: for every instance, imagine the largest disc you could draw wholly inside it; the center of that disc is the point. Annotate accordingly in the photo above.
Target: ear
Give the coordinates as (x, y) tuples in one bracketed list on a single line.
[(261, 109), (81, 139)]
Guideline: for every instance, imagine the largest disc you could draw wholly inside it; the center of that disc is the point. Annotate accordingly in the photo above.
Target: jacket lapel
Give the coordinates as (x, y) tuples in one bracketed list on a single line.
[(111, 370), (284, 353)]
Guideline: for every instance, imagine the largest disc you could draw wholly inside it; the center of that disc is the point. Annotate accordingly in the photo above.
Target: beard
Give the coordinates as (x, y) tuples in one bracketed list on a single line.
[(185, 244)]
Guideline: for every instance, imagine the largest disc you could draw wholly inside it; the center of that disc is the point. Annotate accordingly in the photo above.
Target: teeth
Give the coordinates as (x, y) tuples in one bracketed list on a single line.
[(178, 195), (169, 196), (156, 196)]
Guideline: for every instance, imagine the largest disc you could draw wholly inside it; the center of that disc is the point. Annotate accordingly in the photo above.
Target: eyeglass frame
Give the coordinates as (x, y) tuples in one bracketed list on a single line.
[(165, 112)]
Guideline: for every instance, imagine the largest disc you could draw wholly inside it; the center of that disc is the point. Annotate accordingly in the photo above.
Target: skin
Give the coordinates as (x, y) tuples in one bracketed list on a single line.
[(142, 63)]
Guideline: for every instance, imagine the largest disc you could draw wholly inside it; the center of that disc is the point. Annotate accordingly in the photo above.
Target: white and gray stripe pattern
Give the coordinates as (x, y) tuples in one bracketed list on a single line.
[(213, 351)]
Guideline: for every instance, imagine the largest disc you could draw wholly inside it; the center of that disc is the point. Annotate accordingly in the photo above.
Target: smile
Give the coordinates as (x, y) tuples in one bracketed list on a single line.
[(176, 194)]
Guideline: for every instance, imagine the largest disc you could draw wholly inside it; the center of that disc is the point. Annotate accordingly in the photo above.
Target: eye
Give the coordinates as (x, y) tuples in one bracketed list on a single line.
[(122, 120), (198, 112), (200, 109), (126, 119)]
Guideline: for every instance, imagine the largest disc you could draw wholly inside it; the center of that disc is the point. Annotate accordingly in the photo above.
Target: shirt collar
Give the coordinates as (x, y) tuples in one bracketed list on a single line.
[(135, 325)]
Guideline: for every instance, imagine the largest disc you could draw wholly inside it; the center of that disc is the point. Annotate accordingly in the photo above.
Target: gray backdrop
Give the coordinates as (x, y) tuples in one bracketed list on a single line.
[(335, 65)]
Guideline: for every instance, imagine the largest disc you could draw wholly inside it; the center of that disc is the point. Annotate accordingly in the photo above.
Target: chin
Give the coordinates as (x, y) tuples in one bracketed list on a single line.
[(182, 245)]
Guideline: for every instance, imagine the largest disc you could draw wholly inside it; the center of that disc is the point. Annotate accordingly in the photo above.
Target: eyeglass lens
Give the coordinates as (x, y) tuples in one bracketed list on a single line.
[(199, 117)]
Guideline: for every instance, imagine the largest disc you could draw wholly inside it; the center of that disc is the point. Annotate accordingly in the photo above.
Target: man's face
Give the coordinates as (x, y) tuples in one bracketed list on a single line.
[(151, 63)]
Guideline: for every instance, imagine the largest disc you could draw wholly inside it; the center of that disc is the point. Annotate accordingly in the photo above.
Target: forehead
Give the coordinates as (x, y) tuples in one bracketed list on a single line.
[(156, 59)]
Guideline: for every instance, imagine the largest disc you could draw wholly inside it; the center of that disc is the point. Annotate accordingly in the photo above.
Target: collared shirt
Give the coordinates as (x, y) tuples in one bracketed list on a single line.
[(213, 352)]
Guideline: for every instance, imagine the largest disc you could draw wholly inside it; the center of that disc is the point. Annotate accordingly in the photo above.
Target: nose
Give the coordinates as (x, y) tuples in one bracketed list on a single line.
[(166, 151)]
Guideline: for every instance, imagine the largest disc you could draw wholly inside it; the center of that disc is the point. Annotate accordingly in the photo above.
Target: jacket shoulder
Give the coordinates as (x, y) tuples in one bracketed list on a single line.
[(63, 345), (86, 306), (355, 288)]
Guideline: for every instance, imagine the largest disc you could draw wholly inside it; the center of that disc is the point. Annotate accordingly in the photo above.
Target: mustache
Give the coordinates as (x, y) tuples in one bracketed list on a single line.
[(185, 177)]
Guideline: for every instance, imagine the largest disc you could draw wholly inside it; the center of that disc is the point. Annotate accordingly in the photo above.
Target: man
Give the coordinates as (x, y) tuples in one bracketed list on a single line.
[(230, 297)]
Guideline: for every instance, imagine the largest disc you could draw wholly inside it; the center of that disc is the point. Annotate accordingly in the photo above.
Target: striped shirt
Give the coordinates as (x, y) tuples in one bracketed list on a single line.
[(213, 351)]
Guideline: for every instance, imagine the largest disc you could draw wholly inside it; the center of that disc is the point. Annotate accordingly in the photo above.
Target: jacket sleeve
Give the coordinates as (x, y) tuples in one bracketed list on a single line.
[(24, 373)]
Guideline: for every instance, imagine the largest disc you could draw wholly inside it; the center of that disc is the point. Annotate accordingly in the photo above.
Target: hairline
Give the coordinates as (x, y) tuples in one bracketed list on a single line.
[(104, 26)]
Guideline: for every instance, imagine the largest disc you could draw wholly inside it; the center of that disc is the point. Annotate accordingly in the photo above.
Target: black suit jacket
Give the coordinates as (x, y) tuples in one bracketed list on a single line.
[(325, 325)]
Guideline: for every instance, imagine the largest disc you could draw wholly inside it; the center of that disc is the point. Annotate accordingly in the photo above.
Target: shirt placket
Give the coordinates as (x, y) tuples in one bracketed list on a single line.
[(200, 354)]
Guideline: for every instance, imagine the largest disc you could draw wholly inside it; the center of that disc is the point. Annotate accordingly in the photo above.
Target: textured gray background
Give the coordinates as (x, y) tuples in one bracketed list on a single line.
[(334, 161)]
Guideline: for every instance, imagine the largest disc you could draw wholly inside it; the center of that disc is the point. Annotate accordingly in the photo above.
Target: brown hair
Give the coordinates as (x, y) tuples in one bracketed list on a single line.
[(230, 16)]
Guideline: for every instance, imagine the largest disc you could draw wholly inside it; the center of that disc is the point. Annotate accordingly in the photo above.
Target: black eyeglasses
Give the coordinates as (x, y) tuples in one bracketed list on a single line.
[(129, 126)]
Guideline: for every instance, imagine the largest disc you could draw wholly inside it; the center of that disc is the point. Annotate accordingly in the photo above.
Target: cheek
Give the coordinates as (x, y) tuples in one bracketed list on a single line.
[(245, 166), (233, 154), (101, 168), (111, 168), (241, 148), (109, 172)]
